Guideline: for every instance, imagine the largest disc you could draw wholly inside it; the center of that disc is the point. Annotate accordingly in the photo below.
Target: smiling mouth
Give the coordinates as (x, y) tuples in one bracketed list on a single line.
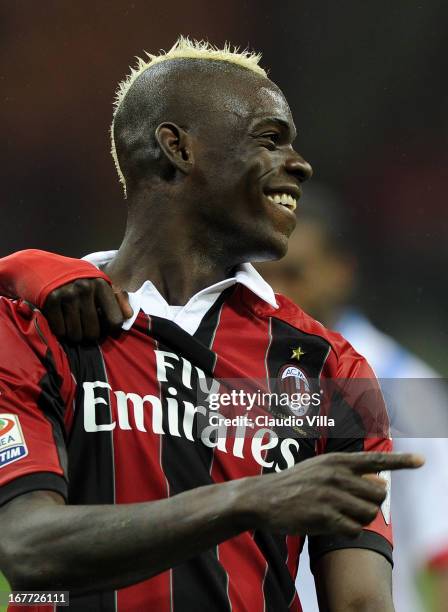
[(285, 199)]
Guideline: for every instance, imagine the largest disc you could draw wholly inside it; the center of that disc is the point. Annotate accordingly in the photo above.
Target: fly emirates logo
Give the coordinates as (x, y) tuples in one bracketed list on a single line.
[(172, 414)]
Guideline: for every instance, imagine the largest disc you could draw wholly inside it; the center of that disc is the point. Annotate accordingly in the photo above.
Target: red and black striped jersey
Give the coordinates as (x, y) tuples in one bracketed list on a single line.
[(117, 423)]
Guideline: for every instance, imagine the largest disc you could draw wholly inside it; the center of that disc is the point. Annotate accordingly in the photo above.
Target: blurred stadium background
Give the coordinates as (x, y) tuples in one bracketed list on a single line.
[(366, 86)]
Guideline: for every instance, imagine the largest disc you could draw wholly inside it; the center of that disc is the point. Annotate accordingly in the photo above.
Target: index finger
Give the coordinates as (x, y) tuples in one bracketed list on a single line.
[(365, 462)]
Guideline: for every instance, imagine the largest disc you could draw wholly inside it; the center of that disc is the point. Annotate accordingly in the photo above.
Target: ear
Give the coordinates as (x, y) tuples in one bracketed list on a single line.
[(176, 144)]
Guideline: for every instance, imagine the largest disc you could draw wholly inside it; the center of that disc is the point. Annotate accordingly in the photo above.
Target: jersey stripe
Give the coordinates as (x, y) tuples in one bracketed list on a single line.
[(200, 583), (137, 449), (241, 557), (96, 483), (206, 334), (278, 586), (54, 411)]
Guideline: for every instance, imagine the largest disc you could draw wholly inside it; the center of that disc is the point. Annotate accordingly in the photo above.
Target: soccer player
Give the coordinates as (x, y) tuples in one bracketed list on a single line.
[(319, 272), (109, 486)]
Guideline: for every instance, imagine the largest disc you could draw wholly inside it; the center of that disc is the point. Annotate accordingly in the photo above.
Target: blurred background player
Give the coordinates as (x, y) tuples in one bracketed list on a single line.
[(320, 274)]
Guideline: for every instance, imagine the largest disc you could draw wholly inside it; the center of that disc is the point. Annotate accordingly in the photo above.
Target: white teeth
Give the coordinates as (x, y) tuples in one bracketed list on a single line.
[(283, 198)]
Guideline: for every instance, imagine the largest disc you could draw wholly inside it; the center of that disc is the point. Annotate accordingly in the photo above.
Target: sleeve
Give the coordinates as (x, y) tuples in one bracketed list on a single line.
[(36, 386), (32, 274), (361, 423)]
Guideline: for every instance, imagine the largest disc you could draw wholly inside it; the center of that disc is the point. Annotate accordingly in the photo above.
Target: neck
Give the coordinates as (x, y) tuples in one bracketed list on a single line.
[(168, 252)]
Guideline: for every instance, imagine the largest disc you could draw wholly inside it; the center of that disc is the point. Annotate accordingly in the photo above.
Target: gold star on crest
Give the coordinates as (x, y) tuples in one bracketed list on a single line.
[(297, 353)]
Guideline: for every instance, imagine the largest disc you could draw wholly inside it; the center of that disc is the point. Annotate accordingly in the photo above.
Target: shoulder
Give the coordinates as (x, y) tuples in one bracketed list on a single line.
[(26, 338), (22, 317), (17, 318), (291, 313), (343, 360)]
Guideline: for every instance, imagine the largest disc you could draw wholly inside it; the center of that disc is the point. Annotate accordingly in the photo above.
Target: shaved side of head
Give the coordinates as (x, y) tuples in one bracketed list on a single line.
[(201, 139), (192, 93), (145, 79)]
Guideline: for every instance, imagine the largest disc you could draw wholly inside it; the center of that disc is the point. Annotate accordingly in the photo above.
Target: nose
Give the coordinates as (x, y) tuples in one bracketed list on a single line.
[(296, 165)]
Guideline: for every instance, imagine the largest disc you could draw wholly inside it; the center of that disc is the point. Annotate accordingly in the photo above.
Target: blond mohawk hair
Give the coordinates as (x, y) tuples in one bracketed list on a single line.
[(183, 48)]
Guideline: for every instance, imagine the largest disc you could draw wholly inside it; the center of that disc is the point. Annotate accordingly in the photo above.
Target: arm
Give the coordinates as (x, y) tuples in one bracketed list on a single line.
[(353, 580), (33, 274), (75, 296), (47, 544), (85, 548), (356, 574)]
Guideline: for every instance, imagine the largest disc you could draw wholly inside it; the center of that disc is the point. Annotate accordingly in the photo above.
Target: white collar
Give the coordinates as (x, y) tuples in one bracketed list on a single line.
[(245, 275)]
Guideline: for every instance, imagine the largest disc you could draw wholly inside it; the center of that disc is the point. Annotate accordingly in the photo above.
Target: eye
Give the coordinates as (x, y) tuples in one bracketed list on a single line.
[(271, 138)]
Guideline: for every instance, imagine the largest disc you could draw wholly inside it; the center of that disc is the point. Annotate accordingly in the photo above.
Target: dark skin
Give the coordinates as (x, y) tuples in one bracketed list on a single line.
[(224, 168), (124, 544), (208, 193)]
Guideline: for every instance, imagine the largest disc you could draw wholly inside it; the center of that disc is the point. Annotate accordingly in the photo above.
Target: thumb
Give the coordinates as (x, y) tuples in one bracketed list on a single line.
[(123, 301), (375, 478)]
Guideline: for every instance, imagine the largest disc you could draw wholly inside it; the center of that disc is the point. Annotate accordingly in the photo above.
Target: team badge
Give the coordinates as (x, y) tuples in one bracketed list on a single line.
[(12, 442), (294, 382)]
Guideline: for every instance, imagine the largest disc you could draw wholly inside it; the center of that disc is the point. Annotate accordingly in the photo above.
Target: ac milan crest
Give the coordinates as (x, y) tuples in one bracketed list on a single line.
[(293, 382)]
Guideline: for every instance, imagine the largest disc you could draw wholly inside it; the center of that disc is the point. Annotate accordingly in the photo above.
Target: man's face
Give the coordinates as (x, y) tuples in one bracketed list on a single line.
[(249, 174)]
